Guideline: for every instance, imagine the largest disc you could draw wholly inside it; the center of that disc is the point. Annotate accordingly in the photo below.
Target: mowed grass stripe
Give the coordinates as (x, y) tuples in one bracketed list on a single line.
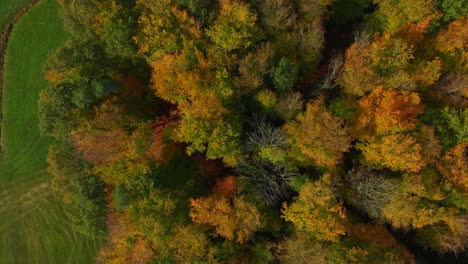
[(30, 42), (34, 225), (9, 7)]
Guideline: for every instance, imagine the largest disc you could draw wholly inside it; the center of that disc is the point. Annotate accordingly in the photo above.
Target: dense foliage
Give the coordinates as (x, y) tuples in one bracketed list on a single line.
[(204, 131)]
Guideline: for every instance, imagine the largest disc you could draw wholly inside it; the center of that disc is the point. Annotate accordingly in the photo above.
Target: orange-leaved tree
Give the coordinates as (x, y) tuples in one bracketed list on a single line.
[(384, 111), (454, 166), (358, 77), (230, 213), (451, 42)]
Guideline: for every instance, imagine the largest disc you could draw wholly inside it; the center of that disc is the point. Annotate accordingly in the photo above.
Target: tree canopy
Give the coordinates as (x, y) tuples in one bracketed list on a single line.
[(245, 131)]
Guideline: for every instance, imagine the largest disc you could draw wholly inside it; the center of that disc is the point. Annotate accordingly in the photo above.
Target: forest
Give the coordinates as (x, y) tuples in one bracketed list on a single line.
[(250, 131)]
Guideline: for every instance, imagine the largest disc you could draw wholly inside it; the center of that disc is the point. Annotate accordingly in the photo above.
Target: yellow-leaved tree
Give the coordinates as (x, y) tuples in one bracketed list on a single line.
[(399, 152), (235, 27), (317, 211), (318, 136)]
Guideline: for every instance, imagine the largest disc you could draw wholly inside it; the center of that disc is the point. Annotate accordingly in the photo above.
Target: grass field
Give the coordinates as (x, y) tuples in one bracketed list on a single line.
[(9, 7), (34, 226)]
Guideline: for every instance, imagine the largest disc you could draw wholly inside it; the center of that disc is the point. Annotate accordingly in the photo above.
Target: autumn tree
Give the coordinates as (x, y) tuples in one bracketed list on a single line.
[(163, 28), (254, 67), (399, 217), (235, 219), (358, 77), (424, 184), (117, 152), (384, 111), (227, 186), (317, 211), (317, 136), (451, 43), (124, 244), (379, 243), (407, 211), (119, 229), (301, 248), (355, 251), (141, 253), (190, 245), (235, 28), (454, 166), (443, 238), (431, 148), (397, 151), (383, 121), (104, 137), (267, 99), (395, 13), (155, 214), (103, 147), (391, 59), (296, 28), (389, 54)]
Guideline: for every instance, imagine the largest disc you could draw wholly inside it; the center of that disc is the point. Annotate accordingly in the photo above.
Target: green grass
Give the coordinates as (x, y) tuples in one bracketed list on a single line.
[(9, 7), (34, 226)]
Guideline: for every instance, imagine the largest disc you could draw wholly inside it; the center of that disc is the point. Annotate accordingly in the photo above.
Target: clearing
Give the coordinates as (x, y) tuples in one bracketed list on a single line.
[(34, 226)]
